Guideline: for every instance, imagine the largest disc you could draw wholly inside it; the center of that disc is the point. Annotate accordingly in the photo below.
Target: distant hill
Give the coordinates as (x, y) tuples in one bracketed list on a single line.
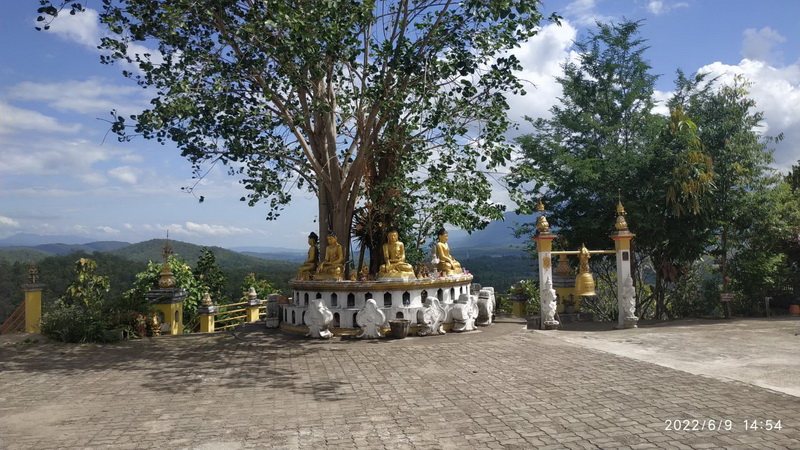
[(235, 264), (152, 251), (65, 249), (274, 253), (496, 240), (31, 240), (23, 255), (291, 256)]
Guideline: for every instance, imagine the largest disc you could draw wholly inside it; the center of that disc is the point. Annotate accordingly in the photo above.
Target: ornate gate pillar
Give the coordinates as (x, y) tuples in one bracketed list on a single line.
[(547, 295), (626, 293)]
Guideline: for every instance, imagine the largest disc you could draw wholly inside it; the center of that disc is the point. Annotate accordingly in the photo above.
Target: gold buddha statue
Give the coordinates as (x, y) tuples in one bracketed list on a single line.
[(394, 255), (447, 265), (306, 271), (332, 268)]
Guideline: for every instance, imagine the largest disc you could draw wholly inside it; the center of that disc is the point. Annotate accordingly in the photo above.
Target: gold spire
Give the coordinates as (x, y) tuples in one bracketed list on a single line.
[(167, 249), (563, 267), (621, 225), (166, 280), (541, 223)]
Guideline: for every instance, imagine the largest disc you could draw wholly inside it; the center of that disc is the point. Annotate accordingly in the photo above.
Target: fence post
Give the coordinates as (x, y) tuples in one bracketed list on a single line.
[(252, 307), (207, 311)]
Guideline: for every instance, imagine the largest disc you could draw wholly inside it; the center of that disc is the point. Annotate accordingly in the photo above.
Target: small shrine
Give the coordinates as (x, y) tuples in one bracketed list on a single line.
[(430, 300), (167, 299)]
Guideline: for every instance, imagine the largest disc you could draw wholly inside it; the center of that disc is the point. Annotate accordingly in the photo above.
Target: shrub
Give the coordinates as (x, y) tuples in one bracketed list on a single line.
[(78, 316), (75, 324)]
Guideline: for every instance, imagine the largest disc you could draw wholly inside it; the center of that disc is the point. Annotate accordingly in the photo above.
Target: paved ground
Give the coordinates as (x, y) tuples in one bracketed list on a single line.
[(762, 352), (502, 387)]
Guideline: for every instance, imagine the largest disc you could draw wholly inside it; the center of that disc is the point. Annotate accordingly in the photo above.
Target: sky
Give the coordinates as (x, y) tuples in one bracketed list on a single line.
[(62, 173)]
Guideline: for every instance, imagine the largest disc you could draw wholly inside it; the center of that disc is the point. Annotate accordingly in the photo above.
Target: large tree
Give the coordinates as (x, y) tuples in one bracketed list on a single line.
[(690, 181), (604, 141), (334, 96), (728, 128), (586, 153)]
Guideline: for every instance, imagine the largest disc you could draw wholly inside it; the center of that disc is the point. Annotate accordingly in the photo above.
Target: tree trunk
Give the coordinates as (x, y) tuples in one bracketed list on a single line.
[(658, 292), (726, 306)]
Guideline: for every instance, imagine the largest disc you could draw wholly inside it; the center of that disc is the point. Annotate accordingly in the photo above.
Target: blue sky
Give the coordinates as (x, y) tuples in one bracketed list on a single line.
[(61, 174)]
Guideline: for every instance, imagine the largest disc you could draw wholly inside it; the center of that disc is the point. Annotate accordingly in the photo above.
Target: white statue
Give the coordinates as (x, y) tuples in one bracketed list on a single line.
[(485, 306), (465, 312), (370, 319), (548, 303), (627, 305), (431, 317), (319, 318)]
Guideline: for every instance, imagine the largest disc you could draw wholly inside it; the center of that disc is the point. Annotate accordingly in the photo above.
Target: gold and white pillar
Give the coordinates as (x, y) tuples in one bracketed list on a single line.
[(626, 293), (547, 295)]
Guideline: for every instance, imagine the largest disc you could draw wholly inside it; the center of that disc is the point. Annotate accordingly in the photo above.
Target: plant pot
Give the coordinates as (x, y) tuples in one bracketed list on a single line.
[(399, 328)]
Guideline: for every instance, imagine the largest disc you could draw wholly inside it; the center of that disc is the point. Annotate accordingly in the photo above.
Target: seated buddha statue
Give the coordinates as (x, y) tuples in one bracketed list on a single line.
[(447, 265), (394, 255), (332, 267), (306, 271)]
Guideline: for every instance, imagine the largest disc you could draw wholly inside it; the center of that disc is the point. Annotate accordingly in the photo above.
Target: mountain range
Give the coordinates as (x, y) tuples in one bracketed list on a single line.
[(496, 239)]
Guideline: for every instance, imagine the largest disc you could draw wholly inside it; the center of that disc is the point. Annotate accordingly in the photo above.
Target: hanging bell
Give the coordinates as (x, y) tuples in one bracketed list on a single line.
[(584, 284)]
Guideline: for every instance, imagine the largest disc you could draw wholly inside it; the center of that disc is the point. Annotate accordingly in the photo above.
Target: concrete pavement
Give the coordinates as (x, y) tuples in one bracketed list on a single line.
[(501, 387), (761, 352)]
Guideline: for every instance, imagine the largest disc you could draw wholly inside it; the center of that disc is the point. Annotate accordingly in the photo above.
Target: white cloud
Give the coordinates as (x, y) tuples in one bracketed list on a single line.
[(92, 96), (582, 12), (7, 222), (776, 92), (659, 7), (38, 192), (759, 45), (215, 230), (93, 179), (132, 158), (15, 120), (83, 28), (107, 230), (201, 229), (81, 229), (542, 58), (51, 157), (125, 174)]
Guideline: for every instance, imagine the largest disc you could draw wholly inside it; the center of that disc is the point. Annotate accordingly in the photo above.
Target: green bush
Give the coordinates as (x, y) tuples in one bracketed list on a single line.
[(696, 294), (75, 324), (80, 315)]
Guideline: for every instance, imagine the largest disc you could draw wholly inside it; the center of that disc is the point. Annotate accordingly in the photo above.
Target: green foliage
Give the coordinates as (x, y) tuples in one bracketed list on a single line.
[(696, 293), (597, 141), (263, 287), (76, 324), (523, 289), (88, 288), (339, 97), (78, 315), (209, 274), (499, 272), (235, 265), (184, 279), (21, 255), (765, 265), (687, 181)]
